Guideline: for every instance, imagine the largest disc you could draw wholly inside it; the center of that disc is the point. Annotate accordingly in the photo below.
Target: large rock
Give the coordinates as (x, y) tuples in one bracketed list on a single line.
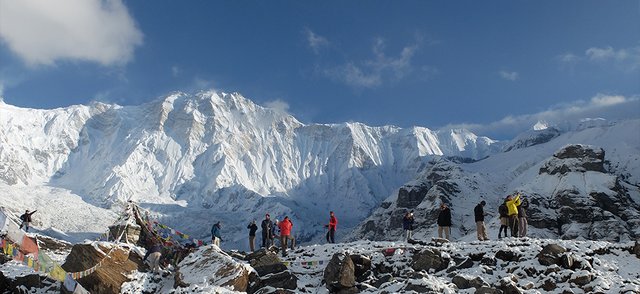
[(362, 264), (339, 275), (550, 254), (113, 271), (429, 258), (265, 262), (220, 268), (464, 282), (636, 249)]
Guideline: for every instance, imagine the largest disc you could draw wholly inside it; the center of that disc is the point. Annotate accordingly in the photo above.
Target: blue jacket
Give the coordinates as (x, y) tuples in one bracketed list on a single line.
[(215, 231)]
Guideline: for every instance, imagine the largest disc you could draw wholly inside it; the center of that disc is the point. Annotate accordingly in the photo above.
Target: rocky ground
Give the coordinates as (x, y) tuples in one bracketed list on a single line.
[(505, 266)]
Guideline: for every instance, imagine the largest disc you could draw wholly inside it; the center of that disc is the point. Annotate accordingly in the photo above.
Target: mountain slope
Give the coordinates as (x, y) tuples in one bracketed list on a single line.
[(193, 159)]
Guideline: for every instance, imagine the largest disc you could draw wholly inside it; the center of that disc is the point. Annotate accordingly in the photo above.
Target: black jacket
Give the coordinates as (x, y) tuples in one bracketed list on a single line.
[(27, 216), (479, 213), (252, 229), (444, 218)]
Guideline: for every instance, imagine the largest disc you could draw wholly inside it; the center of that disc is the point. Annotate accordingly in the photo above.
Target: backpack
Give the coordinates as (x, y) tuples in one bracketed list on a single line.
[(503, 211), (23, 217)]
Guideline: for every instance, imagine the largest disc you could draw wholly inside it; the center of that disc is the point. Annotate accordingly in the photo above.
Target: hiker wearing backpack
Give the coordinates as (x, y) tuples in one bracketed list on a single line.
[(504, 219), (26, 219)]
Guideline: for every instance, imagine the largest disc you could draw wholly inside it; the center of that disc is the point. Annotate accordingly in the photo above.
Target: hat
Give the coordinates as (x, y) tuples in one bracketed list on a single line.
[(483, 202)]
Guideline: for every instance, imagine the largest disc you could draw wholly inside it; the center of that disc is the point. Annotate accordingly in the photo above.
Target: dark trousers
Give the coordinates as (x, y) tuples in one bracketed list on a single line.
[(331, 238), (266, 240)]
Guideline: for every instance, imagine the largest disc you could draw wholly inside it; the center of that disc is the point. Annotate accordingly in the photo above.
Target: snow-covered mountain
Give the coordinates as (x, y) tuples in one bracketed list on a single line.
[(579, 191), (195, 159)]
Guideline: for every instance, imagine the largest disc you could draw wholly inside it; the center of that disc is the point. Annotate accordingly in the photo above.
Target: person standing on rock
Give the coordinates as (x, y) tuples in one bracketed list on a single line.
[(512, 207), (252, 235), (407, 225), (26, 219), (333, 224), (522, 217), (285, 232), (444, 221), (266, 231), (479, 214), (503, 211), (215, 234)]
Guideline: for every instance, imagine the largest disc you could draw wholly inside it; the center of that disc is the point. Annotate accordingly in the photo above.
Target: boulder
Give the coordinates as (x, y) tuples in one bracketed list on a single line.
[(362, 264), (281, 280), (549, 284), (265, 262), (636, 249), (465, 282), (550, 254), (339, 275), (429, 258), (113, 271), (567, 261), (507, 255), (220, 268), (581, 278)]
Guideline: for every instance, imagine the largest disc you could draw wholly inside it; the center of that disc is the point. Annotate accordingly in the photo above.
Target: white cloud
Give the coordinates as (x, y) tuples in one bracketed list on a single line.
[(627, 59), (278, 105), (509, 75), (373, 72), (41, 31), (316, 42), (176, 71), (601, 105)]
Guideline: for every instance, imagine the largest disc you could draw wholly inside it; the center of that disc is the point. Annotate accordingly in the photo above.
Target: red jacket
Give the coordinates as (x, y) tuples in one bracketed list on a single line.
[(285, 227), (333, 223)]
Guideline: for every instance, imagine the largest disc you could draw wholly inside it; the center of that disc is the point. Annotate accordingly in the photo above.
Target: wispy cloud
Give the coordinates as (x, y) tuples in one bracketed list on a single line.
[(627, 59), (176, 71), (599, 106), (42, 32), (278, 105), (509, 75), (315, 41), (373, 72)]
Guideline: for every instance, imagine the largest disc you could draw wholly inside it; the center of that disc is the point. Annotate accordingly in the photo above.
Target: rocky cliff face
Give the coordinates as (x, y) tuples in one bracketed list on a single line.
[(571, 194), (578, 196)]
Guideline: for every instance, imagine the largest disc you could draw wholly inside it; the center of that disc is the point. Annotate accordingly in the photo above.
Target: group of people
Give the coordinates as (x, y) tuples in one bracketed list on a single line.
[(512, 215), (273, 230)]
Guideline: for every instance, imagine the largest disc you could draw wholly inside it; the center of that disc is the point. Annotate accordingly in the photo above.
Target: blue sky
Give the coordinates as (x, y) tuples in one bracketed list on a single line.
[(494, 67)]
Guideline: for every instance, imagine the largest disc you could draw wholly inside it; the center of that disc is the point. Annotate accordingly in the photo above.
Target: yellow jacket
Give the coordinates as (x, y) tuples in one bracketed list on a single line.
[(512, 205)]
